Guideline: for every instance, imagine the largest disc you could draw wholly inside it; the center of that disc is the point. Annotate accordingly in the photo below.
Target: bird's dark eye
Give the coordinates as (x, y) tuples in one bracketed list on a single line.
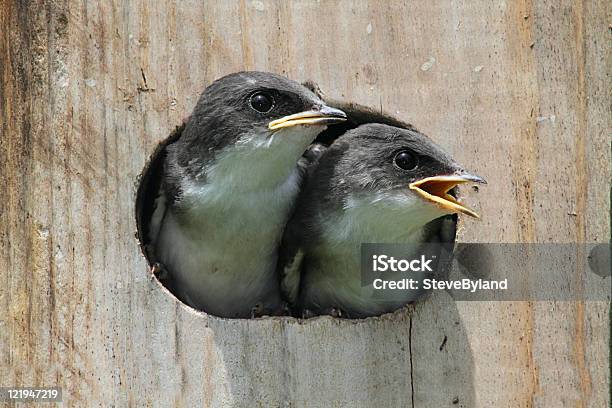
[(406, 160), (262, 102)]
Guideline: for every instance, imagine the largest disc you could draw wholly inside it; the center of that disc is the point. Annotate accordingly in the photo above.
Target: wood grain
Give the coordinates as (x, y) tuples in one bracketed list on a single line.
[(516, 90)]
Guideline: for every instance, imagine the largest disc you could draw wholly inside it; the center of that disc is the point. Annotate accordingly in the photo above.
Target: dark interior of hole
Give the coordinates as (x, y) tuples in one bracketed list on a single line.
[(151, 176)]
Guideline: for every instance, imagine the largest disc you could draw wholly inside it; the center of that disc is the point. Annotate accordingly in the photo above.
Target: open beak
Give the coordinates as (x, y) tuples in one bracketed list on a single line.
[(435, 189), (323, 116)]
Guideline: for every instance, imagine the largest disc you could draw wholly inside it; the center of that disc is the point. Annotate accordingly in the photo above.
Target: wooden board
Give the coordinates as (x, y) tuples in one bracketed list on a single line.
[(516, 90)]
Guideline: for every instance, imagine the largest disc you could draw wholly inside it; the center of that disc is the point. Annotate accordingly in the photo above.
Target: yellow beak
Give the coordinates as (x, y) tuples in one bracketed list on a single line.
[(323, 116), (435, 189)]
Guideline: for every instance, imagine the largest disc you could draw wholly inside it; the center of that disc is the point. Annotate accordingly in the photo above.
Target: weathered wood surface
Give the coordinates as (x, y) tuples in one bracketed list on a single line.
[(515, 89)]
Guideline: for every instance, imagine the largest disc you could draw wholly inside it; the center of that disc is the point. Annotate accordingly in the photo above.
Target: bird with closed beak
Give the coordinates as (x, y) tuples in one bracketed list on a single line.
[(374, 184), (229, 184)]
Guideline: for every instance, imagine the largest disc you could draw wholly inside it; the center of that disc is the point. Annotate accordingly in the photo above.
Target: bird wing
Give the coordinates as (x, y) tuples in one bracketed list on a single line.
[(291, 251), (159, 211), (290, 261), (291, 273), (152, 198)]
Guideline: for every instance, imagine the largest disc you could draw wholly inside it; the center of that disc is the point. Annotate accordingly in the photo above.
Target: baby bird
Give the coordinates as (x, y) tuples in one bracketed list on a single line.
[(374, 184), (229, 184)]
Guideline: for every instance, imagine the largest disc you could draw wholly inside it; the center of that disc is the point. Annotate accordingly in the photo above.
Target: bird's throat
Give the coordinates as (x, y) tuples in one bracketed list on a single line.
[(260, 161), (379, 219), (256, 177)]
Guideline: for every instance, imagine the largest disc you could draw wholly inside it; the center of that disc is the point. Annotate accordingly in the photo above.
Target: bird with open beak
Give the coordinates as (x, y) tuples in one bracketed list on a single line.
[(229, 184), (374, 184)]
